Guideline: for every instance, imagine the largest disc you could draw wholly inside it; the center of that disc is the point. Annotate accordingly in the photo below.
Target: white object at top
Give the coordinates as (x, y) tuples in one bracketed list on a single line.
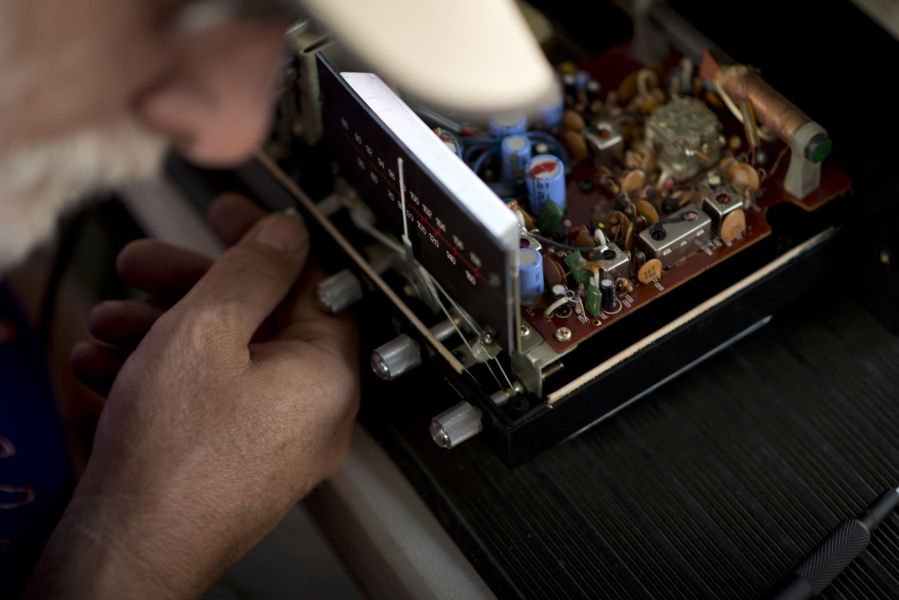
[(474, 56), (468, 189)]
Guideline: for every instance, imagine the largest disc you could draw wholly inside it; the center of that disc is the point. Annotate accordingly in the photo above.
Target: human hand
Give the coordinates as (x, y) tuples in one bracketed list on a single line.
[(231, 407)]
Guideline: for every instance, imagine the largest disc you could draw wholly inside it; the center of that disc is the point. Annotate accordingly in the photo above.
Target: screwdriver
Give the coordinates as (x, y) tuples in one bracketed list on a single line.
[(835, 553)]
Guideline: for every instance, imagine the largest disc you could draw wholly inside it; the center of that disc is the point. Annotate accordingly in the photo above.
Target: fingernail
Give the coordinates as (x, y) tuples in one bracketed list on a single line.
[(285, 233)]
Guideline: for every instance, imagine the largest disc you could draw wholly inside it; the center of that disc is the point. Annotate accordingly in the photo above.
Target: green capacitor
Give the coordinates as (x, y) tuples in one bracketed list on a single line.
[(549, 216), (594, 300), (575, 264)]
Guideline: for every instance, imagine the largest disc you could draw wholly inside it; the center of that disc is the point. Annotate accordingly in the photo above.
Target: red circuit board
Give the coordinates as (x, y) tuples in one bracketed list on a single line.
[(610, 69)]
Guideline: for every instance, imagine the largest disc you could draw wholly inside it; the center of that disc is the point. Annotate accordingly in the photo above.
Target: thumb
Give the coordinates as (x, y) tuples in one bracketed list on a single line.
[(249, 280)]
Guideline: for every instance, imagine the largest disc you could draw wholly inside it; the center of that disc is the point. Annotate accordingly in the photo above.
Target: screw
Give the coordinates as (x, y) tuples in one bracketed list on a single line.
[(524, 331), (885, 256), (563, 334), (494, 280), (486, 339)]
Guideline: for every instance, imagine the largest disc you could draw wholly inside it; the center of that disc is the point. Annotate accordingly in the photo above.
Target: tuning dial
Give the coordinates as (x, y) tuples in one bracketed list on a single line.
[(338, 292), (452, 427)]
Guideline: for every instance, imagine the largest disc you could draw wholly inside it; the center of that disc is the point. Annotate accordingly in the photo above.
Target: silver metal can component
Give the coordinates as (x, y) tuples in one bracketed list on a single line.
[(719, 204), (338, 292), (613, 261), (452, 427), (605, 141), (678, 236)]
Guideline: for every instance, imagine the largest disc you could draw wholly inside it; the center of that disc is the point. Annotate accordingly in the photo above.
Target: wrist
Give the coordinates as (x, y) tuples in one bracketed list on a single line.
[(114, 547)]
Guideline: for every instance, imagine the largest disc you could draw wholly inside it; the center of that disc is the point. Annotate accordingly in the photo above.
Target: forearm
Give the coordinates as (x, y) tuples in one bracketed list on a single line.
[(103, 548)]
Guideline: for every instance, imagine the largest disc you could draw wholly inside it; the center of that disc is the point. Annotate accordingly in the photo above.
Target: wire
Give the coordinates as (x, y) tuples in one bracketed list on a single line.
[(558, 150), (552, 307), (474, 327), (550, 242), (481, 159)]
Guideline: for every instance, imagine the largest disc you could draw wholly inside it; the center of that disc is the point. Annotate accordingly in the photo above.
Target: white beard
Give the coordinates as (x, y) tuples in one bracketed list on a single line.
[(40, 181)]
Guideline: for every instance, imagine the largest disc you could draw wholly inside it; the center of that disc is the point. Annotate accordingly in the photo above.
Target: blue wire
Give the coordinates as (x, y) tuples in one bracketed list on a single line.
[(480, 161), (557, 148)]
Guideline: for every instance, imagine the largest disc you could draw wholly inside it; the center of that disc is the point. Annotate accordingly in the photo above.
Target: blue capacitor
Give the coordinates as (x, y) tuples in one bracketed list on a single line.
[(511, 123), (530, 275), (552, 110), (516, 151), (545, 179)]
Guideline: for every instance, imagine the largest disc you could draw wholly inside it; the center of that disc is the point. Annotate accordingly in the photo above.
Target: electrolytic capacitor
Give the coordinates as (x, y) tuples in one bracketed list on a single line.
[(551, 110), (609, 301), (511, 123), (516, 151), (559, 291), (530, 275), (545, 179)]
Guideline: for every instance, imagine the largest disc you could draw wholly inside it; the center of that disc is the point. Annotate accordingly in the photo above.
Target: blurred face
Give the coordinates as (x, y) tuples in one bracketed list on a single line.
[(93, 92)]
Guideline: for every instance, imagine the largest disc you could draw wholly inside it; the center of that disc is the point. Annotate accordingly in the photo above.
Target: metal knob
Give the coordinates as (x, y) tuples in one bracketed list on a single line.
[(338, 292), (452, 427), (394, 358), (403, 354)]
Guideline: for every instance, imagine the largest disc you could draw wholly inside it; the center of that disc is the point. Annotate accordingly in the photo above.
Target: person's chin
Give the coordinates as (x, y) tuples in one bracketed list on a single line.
[(41, 182)]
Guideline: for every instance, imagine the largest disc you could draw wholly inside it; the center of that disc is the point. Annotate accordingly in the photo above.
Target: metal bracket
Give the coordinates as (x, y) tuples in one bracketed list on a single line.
[(803, 176)]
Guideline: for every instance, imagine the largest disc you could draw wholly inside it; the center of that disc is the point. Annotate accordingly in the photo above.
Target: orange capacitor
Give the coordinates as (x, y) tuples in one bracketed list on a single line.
[(750, 126)]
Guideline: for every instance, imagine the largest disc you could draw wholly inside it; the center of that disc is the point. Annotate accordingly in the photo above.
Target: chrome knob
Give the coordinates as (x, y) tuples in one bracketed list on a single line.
[(403, 354), (452, 427), (394, 358), (338, 292)]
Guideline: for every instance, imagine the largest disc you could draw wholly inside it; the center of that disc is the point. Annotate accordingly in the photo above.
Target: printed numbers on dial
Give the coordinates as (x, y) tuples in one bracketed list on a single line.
[(344, 123), (450, 257), (358, 138), (458, 243), (471, 278), (475, 259), (427, 211), (440, 225), (360, 162), (374, 178), (433, 239)]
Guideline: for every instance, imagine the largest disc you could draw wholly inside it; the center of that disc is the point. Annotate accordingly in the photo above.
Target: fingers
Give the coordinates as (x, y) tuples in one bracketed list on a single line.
[(245, 285), (97, 366), (161, 268), (123, 323), (231, 215)]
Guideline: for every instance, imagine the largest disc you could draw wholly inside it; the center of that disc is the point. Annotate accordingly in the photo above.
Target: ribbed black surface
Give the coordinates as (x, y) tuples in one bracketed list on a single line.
[(715, 486)]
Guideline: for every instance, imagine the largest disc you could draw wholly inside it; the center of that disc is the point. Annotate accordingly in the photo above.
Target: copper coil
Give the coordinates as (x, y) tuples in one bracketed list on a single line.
[(780, 115)]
